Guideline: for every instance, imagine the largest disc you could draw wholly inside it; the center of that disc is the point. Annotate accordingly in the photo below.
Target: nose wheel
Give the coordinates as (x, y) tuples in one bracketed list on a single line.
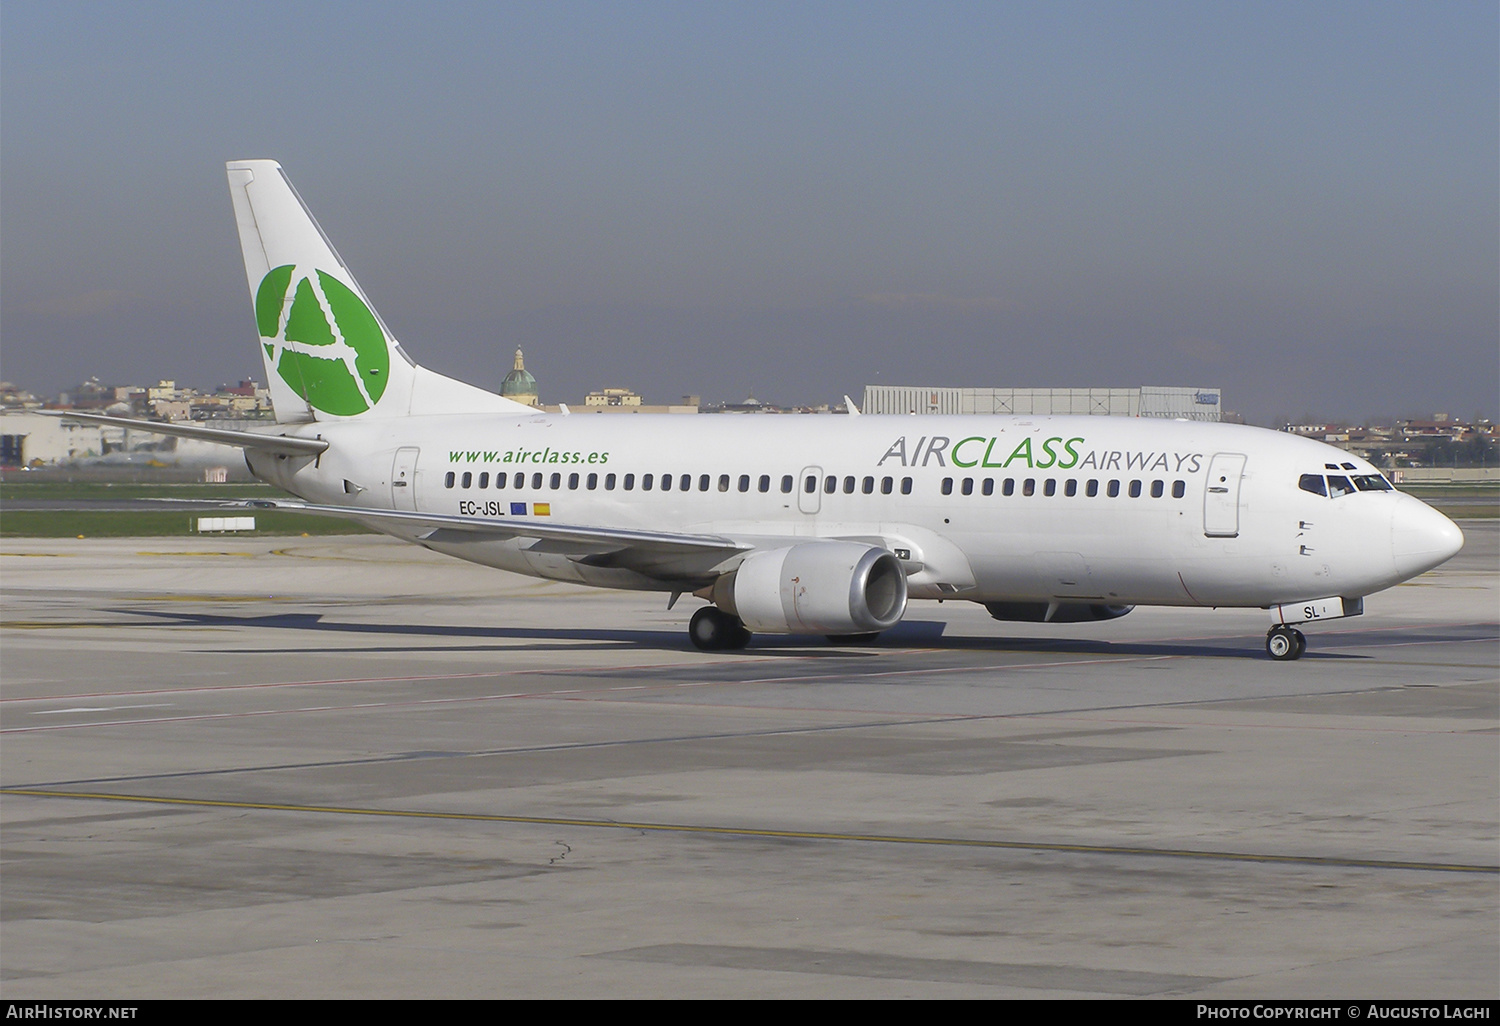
[(1285, 643)]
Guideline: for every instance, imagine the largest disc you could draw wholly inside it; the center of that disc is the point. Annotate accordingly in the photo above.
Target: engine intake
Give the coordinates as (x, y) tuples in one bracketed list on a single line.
[(817, 587)]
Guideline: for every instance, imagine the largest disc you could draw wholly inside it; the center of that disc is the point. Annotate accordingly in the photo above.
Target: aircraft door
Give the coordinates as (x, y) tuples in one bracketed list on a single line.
[(404, 480), (810, 489), (1221, 500)]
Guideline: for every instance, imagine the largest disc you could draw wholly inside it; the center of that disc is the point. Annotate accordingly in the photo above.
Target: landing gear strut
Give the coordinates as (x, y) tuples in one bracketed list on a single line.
[(1285, 643), (711, 629)]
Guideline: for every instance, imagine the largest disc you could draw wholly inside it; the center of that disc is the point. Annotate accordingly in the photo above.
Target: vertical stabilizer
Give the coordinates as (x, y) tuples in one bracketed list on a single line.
[(327, 353)]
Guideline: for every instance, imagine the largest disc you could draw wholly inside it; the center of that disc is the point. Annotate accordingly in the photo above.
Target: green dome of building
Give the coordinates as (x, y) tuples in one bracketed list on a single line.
[(519, 385)]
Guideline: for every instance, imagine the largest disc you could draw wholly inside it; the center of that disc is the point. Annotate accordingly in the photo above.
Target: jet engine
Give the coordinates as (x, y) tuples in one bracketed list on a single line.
[(1055, 612), (817, 587)]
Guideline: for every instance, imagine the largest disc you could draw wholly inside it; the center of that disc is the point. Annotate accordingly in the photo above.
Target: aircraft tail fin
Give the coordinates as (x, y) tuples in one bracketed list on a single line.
[(327, 353)]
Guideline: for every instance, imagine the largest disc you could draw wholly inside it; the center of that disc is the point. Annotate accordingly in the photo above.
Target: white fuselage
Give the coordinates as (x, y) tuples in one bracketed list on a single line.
[(989, 508)]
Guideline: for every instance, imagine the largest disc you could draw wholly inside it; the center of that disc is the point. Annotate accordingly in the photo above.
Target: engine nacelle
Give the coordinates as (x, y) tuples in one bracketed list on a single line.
[(817, 587), (1055, 612)]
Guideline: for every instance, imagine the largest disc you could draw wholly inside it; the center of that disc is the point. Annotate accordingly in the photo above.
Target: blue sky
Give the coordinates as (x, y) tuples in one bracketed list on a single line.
[(1299, 203)]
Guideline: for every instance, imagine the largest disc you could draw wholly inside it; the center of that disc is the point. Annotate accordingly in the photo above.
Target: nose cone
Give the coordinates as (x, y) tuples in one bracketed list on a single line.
[(1421, 537)]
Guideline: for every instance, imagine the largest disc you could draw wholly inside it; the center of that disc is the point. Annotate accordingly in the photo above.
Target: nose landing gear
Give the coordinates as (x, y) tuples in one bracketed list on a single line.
[(1285, 643)]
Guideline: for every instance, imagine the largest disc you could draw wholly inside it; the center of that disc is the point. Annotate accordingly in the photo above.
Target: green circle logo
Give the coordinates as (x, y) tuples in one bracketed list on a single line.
[(324, 343)]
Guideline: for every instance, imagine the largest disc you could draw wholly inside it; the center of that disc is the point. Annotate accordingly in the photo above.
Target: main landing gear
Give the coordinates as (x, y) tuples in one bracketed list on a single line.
[(712, 630), (1285, 643)]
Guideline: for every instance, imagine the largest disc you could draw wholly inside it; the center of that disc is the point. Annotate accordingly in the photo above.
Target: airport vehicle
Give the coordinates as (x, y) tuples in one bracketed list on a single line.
[(801, 525)]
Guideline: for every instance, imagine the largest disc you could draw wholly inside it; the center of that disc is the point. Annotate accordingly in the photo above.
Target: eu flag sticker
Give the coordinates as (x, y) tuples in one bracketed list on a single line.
[(518, 509), (542, 509)]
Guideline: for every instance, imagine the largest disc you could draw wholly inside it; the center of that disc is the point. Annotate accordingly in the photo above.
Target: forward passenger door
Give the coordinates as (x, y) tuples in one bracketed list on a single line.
[(1221, 499)]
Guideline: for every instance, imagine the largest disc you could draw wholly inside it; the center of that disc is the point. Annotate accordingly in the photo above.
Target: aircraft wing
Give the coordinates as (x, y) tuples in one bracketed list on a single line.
[(285, 445), (666, 555)]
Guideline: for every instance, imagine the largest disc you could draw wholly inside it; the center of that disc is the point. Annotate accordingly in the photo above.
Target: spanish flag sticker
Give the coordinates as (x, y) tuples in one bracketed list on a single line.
[(542, 509)]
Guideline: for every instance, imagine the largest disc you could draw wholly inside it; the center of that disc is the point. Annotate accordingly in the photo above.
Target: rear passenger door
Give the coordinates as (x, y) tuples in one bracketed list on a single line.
[(404, 480)]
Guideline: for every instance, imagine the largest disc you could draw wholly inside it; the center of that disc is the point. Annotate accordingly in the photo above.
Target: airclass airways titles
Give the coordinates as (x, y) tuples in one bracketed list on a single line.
[(1036, 454)]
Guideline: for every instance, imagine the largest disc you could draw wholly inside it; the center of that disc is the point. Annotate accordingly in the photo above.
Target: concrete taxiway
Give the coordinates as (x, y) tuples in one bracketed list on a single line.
[(346, 767)]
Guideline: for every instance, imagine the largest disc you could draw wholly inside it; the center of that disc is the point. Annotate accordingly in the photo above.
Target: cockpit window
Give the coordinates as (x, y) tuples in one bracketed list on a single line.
[(1372, 483), (1312, 483), (1338, 485)]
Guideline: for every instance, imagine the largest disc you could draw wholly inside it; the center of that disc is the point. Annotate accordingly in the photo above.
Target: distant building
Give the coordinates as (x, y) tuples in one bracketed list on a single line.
[(612, 397), (1146, 401), (519, 385)]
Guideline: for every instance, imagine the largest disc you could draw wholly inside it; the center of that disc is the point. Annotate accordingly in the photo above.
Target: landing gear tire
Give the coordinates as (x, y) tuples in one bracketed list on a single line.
[(713, 630), (1285, 643), (853, 639)]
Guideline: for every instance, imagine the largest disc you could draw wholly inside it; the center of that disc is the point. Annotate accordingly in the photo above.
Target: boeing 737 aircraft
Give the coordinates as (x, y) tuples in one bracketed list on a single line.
[(801, 525)]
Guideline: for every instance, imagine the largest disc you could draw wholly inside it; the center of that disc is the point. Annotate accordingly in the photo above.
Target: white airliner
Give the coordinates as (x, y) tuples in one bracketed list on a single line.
[(801, 525)]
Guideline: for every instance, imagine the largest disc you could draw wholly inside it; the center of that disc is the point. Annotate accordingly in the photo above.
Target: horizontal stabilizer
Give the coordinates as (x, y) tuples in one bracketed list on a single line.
[(281, 445)]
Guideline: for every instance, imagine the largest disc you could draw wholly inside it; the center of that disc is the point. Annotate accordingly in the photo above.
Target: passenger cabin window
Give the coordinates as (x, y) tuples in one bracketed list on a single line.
[(906, 486), (868, 486), (484, 480), (1179, 489), (448, 480), (468, 479), (810, 485), (1135, 489), (968, 486), (1092, 489), (593, 482), (1010, 486), (886, 485), (1156, 489), (1049, 487), (830, 484), (947, 486), (1114, 489), (764, 484), (989, 486), (1070, 487)]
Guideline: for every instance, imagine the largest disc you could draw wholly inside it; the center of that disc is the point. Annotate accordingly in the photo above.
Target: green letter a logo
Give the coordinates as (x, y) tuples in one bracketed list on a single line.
[(326, 344)]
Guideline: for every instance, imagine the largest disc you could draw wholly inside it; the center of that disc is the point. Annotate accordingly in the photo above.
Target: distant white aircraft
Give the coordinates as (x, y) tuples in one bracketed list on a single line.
[(801, 525)]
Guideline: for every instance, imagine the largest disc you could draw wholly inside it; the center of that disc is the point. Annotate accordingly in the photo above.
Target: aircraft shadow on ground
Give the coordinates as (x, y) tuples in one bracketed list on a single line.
[(908, 634)]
